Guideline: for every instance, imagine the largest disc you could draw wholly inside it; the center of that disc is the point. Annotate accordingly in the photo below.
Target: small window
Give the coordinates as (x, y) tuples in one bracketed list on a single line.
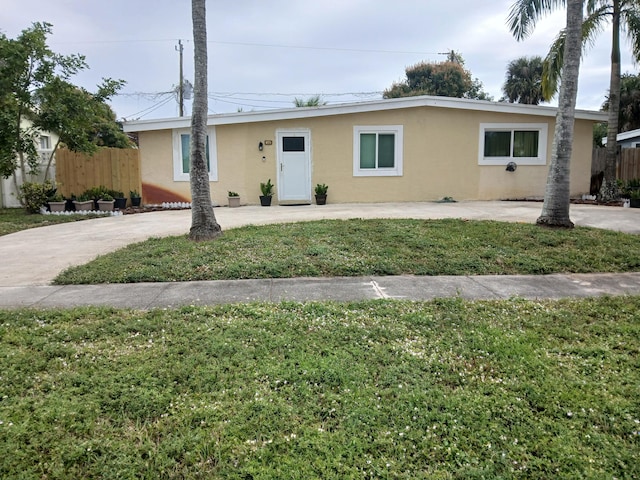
[(182, 153), (293, 144), (377, 151), (525, 144), (45, 142), (185, 144)]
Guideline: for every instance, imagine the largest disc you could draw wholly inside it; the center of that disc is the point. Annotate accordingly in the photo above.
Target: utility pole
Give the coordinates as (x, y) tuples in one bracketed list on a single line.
[(180, 48)]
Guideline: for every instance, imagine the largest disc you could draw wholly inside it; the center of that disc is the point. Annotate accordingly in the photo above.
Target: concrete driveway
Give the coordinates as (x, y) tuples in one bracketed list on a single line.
[(34, 257)]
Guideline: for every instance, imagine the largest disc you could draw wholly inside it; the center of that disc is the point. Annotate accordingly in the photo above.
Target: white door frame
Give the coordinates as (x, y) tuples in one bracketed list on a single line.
[(305, 195)]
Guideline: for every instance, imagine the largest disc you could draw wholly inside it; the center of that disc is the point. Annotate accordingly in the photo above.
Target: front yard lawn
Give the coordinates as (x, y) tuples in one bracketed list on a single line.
[(15, 219), (367, 247), (382, 389)]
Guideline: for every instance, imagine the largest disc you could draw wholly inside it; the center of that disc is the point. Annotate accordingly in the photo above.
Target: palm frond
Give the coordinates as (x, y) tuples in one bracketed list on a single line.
[(525, 13), (552, 66), (593, 24), (631, 21)]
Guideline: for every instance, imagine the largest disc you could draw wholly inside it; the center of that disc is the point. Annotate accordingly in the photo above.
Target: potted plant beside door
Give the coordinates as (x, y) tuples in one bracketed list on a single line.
[(267, 193), (234, 199), (321, 194)]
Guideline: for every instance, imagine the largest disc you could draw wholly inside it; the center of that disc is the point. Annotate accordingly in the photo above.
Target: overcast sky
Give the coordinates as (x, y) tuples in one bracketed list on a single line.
[(263, 53)]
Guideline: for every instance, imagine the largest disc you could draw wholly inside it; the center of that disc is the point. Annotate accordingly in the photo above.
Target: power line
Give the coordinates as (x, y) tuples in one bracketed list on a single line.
[(306, 47), (251, 44), (271, 94), (150, 109)]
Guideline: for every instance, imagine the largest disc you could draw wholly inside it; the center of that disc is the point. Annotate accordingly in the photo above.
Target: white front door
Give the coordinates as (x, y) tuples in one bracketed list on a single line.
[(294, 166)]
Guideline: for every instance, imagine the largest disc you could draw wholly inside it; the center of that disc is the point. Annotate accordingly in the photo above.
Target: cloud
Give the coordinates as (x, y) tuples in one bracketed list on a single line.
[(279, 46)]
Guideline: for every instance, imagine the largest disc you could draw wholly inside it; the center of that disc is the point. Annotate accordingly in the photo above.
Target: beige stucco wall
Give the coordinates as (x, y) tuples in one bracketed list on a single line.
[(440, 158)]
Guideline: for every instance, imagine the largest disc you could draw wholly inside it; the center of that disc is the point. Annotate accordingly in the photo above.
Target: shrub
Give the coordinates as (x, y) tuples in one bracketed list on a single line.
[(34, 195)]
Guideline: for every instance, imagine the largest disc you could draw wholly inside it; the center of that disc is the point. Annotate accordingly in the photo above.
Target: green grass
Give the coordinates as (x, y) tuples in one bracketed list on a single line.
[(367, 247), (383, 389), (16, 219)]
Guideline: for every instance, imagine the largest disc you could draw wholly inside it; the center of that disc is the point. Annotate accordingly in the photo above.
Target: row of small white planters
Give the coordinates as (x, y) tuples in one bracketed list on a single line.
[(103, 206), (83, 206)]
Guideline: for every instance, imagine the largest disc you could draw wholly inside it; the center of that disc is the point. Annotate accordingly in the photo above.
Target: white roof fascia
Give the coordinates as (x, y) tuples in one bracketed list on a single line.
[(624, 136), (628, 135), (359, 107)]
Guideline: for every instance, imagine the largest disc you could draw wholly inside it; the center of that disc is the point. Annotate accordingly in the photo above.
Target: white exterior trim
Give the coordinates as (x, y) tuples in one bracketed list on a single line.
[(541, 159), (360, 107), (178, 174), (280, 174), (396, 171)]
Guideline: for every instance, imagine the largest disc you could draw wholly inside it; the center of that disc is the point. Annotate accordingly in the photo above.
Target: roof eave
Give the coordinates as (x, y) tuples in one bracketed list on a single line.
[(359, 107)]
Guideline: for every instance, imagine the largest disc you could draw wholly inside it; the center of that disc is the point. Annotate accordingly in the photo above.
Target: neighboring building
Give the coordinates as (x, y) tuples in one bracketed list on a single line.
[(397, 150), (630, 139), (45, 143)]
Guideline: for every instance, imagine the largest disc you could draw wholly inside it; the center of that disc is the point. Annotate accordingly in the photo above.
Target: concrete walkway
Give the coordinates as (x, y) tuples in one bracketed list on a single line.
[(32, 258)]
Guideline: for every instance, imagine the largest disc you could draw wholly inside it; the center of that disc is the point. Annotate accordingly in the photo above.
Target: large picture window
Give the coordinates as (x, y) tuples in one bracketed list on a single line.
[(525, 144), (377, 150), (182, 152)]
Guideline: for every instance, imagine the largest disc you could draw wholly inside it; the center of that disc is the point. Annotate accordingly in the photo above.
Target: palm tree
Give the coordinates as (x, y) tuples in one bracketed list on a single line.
[(314, 101), (624, 14), (629, 117), (523, 16), (203, 221), (524, 81)]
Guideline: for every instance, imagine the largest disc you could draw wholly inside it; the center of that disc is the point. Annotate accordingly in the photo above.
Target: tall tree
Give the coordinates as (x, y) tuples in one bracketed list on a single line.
[(81, 120), (447, 79), (555, 209), (203, 221), (523, 83), (623, 15), (26, 65), (35, 86)]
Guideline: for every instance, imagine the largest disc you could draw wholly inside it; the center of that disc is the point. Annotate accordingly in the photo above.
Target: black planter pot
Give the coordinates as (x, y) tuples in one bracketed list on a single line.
[(121, 203), (321, 199), (265, 201), (135, 201), (634, 203)]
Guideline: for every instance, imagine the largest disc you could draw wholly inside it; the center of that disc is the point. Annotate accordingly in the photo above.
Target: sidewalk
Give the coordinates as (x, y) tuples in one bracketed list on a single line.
[(344, 289), (31, 259)]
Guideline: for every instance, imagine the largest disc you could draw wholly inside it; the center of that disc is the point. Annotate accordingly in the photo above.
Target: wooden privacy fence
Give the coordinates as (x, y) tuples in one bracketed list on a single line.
[(627, 167), (115, 168)]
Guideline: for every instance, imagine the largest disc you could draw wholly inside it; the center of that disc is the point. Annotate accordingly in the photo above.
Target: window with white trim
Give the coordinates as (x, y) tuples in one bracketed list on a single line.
[(45, 143), (524, 143), (377, 151), (182, 153)]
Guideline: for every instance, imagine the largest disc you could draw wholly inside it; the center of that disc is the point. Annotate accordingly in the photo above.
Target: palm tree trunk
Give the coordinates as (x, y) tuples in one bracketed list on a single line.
[(555, 209), (203, 221), (609, 190)]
